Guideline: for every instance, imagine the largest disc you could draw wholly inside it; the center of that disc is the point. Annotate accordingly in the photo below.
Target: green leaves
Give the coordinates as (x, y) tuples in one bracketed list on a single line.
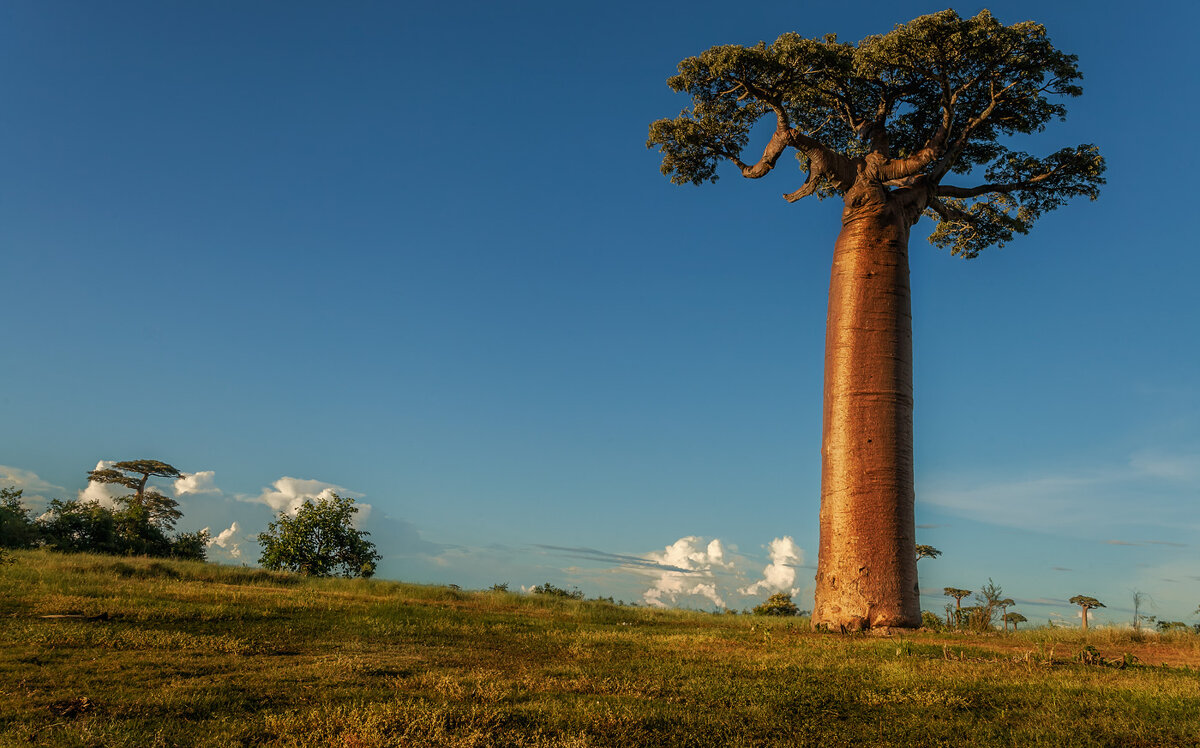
[(1020, 189), (693, 146), (932, 97), (319, 540)]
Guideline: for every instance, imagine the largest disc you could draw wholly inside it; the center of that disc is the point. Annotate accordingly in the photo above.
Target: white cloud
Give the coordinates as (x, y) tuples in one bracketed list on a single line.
[(228, 541), (104, 494), (199, 482), (289, 494), (780, 574), (34, 488), (693, 566)]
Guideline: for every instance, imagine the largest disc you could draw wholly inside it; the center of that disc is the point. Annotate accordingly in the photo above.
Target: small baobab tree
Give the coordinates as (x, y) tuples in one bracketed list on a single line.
[(927, 551), (958, 595), (1004, 605), (1086, 603), (1014, 618)]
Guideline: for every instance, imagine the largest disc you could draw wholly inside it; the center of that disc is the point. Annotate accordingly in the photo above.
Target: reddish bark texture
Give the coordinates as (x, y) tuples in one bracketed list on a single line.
[(866, 569)]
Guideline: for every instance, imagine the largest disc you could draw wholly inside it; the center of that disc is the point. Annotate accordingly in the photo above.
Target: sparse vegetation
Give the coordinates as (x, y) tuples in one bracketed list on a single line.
[(551, 591), (930, 621), (155, 652)]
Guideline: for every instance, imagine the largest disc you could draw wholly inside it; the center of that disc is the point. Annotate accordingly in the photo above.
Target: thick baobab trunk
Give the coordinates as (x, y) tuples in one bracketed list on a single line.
[(867, 569)]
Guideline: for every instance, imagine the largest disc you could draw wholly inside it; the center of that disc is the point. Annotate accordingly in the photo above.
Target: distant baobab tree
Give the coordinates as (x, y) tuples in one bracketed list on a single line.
[(927, 551), (887, 125), (1015, 618), (1086, 603), (1004, 605), (958, 595)]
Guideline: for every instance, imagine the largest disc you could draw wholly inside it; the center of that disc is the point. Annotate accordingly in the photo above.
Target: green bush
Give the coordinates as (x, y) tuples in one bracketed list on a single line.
[(779, 604), (319, 541), (551, 590)]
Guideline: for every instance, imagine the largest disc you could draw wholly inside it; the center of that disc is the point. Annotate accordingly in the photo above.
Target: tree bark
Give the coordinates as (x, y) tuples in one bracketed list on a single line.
[(866, 568)]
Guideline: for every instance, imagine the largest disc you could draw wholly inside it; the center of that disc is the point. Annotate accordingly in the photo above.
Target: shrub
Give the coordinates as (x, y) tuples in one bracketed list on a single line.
[(552, 591), (779, 604)]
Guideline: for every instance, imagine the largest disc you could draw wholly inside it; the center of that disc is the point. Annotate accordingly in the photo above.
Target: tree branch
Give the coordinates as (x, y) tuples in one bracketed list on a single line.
[(964, 137), (948, 212), (949, 190)]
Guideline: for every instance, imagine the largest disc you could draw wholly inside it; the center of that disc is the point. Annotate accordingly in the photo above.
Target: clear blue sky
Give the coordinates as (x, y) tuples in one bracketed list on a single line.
[(420, 253)]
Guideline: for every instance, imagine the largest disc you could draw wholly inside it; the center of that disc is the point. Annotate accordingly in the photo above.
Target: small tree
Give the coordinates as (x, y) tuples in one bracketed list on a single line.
[(319, 541), (927, 551), (79, 527), (1086, 603), (779, 604), (988, 600), (190, 546), (161, 510), (958, 595), (17, 528), (1004, 605), (1014, 618), (1139, 600)]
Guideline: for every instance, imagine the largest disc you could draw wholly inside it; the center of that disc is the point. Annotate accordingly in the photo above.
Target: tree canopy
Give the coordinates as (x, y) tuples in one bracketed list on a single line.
[(1084, 601), (908, 110), (927, 551), (319, 540), (778, 604), (161, 509), (955, 592)]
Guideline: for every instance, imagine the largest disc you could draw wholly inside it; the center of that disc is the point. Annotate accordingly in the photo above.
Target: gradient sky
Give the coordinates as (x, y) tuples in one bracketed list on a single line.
[(418, 253)]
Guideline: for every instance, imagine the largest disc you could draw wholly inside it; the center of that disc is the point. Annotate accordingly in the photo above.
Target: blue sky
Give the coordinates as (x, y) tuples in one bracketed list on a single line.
[(421, 255)]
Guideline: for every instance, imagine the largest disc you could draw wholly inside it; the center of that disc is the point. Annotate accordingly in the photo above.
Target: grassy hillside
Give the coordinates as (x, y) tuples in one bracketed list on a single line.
[(191, 654)]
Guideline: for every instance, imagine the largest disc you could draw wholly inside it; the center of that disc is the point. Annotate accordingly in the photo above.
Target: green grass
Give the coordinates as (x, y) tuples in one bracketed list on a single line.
[(191, 654)]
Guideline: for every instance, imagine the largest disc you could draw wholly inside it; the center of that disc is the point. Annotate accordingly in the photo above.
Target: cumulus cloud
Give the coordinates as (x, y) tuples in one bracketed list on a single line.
[(104, 494), (689, 567), (228, 541), (289, 494), (33, 487), (201, 482), (780, 574)]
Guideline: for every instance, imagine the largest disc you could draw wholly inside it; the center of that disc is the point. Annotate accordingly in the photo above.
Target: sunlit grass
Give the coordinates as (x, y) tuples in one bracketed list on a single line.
[(166, 653)]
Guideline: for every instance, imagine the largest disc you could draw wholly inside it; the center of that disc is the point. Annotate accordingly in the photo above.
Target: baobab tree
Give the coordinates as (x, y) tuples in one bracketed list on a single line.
[(1015, 618), (958, 595), (1004, 606), (888, 125), (1086, 603)]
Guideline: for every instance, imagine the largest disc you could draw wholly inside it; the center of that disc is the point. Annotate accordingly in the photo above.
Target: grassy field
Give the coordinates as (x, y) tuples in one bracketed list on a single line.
[(190, 654)]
